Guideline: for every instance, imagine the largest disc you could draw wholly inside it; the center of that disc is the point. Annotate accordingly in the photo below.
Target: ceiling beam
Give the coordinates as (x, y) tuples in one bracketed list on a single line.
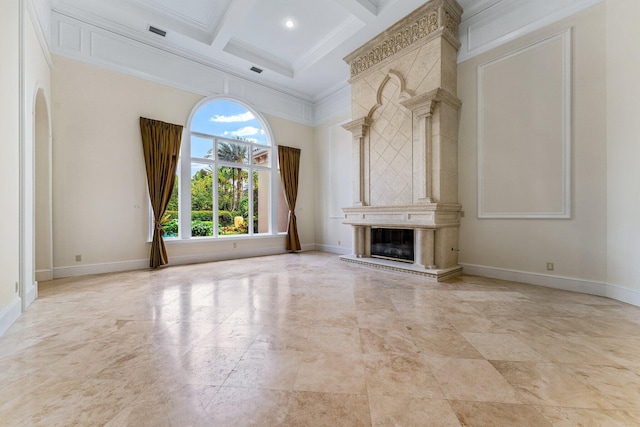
[(364, 10), (233, 18)]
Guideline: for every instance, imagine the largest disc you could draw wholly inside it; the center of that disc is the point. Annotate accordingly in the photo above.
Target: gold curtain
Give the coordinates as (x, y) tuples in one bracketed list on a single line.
[(161, 145), (289, 159)]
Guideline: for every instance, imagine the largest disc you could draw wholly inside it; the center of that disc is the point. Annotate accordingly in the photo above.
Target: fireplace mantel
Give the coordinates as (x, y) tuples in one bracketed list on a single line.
[(431, 215), (405, 139)]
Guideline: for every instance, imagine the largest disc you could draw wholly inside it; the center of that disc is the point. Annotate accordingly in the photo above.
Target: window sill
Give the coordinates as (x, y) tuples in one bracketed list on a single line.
[(173, 241)]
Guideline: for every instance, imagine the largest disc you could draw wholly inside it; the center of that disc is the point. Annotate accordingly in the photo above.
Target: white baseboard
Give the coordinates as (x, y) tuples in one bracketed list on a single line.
[(10, 314), (44, 275), (32, 294), (555, 282), (340, 250), (141, 264), (309, 247), (629, 296), (106, 267)]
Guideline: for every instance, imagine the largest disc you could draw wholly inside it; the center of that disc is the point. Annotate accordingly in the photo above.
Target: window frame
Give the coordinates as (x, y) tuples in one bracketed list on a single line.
[(184, 179)]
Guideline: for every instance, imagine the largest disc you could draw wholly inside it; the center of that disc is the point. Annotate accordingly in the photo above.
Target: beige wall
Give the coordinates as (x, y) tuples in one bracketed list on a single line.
[(577, 246), (100, 189), (623, 147), (100, 207), (333, 146), (9, 154)]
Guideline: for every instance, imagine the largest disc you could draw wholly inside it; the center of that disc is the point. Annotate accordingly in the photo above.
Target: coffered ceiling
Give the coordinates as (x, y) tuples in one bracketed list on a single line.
[(236, 35), (305, 61)]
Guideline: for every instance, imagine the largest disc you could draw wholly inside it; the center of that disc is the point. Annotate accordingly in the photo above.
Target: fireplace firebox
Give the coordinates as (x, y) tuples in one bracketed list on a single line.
[(392, 243)]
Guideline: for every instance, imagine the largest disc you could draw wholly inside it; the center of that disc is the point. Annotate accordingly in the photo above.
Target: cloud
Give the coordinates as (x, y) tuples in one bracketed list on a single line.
[(245, 131), (244, 117)]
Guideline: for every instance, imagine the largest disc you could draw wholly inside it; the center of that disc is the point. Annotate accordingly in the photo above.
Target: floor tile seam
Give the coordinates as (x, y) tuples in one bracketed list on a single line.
[(514, 387), (605, 396), (518, 388), (246, 350), (523, 404), (561, 365), (435, 382), (295, 380)]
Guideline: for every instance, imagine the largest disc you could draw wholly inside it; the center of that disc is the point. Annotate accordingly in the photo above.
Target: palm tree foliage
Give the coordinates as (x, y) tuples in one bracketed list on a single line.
[(229, 198)]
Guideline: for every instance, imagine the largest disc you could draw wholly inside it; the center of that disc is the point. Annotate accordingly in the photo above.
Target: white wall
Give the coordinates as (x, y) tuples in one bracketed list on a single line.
[(100, 188), (334, 190), (37, 79), (623, 149), (577, 246), (9, 162)]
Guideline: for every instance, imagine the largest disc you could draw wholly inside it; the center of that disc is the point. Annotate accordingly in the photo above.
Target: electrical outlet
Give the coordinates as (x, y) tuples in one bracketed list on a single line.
[(16, 287), (235, 245), (339, 243), (78, 258), (550, 266)]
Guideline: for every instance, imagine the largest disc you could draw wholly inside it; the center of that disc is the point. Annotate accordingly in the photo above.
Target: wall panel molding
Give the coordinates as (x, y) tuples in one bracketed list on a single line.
[(524, 150), (496, 22)]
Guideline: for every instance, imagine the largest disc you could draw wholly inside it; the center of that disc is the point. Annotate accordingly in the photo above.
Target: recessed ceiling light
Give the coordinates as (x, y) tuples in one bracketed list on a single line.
[(289, 23)]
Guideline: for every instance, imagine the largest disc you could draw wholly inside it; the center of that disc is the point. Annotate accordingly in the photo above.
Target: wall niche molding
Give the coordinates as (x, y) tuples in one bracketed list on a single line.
[(526, 174)]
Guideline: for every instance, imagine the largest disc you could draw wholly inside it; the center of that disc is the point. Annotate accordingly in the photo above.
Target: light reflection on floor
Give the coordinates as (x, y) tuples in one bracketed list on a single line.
[(304, 340)]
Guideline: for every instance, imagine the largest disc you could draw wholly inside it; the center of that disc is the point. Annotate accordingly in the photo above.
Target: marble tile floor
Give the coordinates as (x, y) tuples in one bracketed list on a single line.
[(308, 340)]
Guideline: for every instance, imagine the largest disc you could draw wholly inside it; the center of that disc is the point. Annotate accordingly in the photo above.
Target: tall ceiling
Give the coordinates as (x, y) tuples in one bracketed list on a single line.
[(236, 35)]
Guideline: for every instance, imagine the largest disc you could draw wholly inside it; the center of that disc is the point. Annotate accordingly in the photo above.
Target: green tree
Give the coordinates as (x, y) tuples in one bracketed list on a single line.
[(202, 190), (173, 201)]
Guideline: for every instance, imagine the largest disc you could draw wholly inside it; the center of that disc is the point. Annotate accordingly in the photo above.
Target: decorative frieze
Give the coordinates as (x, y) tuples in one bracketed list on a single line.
[(395, 43), (433, 16), (450, 23)]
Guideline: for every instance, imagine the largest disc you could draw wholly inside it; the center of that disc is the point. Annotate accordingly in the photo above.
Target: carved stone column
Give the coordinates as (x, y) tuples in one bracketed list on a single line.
[(359, 241), (359, 129), (424, 247)]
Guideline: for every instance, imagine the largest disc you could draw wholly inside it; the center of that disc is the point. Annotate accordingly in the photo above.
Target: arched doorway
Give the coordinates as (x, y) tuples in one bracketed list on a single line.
[(43, 236)]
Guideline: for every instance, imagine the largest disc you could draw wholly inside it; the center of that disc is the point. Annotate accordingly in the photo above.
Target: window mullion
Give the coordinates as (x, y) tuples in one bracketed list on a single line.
[(215, 190), (184, 206)]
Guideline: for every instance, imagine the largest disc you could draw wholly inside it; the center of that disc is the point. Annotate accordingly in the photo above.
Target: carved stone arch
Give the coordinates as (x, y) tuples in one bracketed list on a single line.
[(402, 96)]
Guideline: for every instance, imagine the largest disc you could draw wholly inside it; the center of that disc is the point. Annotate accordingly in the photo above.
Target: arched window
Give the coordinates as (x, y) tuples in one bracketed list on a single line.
[(227, 175)]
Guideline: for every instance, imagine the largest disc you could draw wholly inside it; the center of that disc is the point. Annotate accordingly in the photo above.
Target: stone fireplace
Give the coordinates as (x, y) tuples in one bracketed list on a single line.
[(405, 134)]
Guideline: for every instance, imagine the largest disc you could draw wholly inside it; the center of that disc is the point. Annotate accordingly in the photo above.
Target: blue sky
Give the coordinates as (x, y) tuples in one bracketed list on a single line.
[(224, 118)]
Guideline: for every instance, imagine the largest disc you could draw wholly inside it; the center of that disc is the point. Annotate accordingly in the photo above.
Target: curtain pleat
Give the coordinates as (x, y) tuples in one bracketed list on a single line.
[(289, 159), (161, 145)]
